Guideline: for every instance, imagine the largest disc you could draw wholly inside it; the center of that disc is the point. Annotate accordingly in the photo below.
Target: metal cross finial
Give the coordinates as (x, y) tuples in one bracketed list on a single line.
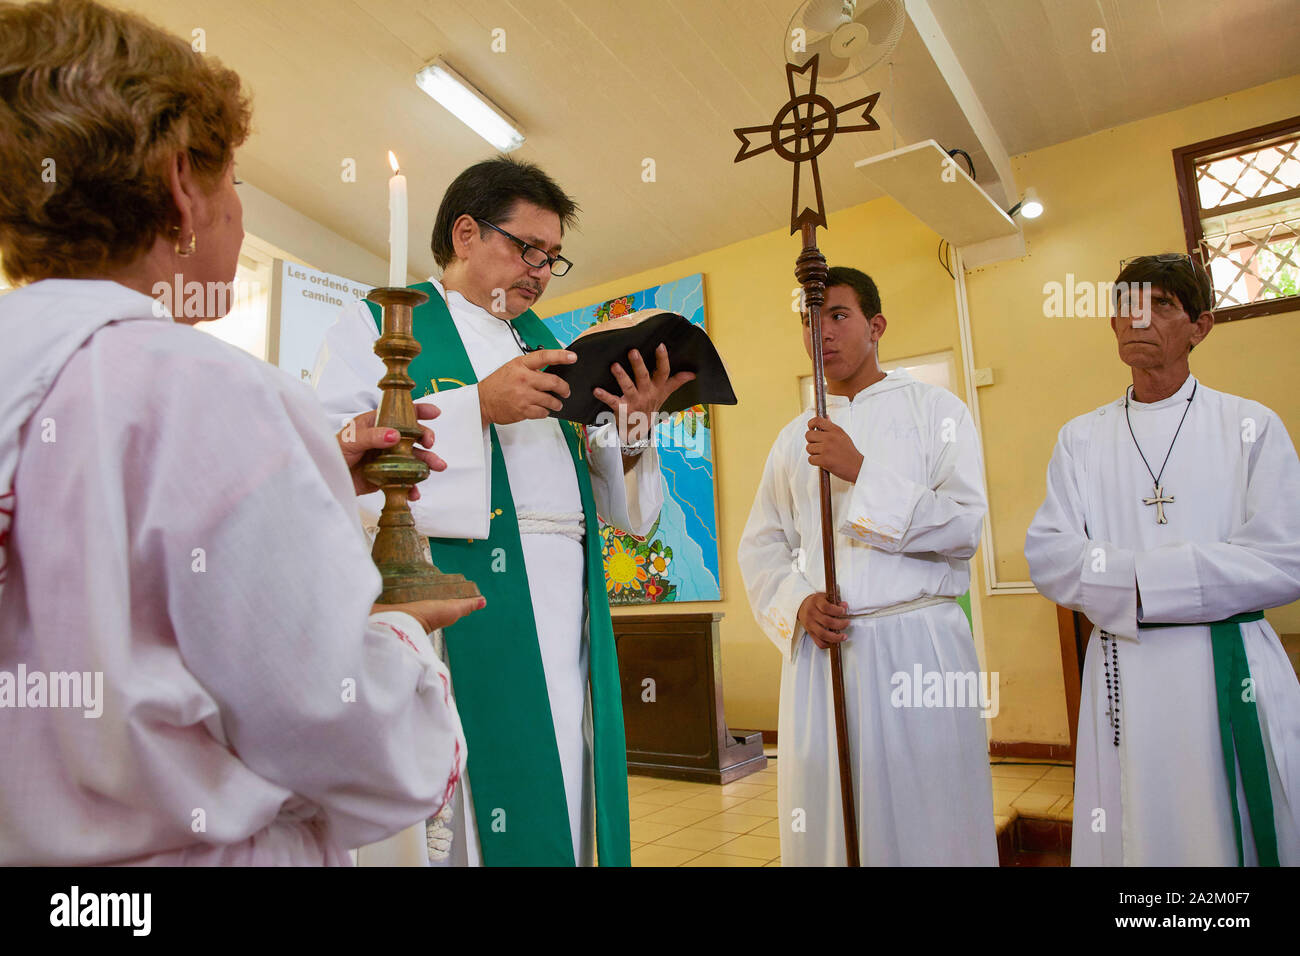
[(810, 122)]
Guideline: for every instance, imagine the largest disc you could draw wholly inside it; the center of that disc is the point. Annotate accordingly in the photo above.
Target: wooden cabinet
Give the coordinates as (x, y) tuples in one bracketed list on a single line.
[(670, 666)]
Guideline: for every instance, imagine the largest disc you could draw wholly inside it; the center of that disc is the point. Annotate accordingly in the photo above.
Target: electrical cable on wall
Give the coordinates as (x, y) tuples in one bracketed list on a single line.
[(943, 258)]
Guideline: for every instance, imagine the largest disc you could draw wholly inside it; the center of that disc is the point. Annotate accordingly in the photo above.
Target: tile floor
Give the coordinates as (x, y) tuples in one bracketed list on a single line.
[(1042, 790), (702, 824), (675, 823)]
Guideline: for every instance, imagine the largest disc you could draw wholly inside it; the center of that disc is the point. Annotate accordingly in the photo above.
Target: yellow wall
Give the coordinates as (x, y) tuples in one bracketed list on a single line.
[(1108, 196)]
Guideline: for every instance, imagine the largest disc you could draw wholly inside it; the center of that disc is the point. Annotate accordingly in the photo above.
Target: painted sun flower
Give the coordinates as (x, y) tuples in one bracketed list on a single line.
[(623, 569), (612, 309), (659, 557), (636, 567)]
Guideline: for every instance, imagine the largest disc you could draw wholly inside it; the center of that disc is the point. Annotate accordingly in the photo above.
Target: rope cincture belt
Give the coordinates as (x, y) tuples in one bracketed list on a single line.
[(1239, 722), (904, 607), (569, 525)]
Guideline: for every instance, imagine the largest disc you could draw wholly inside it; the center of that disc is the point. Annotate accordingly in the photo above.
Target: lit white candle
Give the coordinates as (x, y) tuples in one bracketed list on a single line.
[(396, 226)]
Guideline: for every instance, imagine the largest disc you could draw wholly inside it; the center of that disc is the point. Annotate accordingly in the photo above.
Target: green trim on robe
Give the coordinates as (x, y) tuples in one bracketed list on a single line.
[(494, 657)]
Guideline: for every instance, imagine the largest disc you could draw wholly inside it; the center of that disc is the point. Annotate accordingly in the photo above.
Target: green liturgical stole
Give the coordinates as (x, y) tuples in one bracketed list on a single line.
[(494, 657)]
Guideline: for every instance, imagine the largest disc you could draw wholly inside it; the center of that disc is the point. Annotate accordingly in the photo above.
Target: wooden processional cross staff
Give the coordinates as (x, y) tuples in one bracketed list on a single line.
[(801, 131)]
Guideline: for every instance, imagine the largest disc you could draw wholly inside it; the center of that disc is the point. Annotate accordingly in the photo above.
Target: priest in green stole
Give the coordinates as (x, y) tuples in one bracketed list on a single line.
[(534, 674)]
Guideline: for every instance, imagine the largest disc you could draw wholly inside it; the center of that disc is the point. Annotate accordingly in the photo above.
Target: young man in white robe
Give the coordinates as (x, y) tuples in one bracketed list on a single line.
[(497, 237), (1171, 521), (908, 501)]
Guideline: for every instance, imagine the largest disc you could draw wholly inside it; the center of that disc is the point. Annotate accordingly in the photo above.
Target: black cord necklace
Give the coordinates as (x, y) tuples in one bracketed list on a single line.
[(518, 338), (1158, 498), (1109, 644)]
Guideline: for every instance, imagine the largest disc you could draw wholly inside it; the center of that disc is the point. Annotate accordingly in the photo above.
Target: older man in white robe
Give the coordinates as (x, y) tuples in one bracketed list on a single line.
[(1170, 521)]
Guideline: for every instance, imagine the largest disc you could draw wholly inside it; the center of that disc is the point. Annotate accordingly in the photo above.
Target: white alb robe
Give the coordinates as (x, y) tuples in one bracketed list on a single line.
[(904, 533), (1231, 545), (455, 504), (185, 526)]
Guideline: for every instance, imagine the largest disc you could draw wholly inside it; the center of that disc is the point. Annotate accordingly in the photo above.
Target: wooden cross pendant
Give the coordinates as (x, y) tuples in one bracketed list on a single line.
[(1159, 500)]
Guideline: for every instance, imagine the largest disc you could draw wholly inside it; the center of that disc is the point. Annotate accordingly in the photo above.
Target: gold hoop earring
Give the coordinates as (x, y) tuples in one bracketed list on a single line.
[(194, 245)]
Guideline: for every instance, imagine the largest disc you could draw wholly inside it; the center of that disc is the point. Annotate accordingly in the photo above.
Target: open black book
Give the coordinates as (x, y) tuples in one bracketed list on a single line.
[(689, 350)]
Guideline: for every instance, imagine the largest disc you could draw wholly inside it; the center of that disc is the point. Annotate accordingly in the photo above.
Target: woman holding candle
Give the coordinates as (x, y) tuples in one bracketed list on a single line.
[(177, 530)]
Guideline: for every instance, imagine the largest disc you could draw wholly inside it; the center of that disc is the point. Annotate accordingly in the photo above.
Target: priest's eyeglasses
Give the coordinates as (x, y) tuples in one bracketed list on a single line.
[(532, 255)]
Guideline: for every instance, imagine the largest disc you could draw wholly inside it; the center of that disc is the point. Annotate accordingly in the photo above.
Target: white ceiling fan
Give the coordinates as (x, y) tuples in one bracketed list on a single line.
[(848, 36)]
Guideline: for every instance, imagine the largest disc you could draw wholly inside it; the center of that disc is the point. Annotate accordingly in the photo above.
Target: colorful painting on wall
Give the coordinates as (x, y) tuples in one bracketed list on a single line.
[(678, 559)]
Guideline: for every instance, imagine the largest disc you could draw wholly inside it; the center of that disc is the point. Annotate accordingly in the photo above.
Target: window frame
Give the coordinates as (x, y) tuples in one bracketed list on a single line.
[(1185, 160)]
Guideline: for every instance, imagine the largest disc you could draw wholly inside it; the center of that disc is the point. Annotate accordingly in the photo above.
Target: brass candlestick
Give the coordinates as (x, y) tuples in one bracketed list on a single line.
[(398, 551)]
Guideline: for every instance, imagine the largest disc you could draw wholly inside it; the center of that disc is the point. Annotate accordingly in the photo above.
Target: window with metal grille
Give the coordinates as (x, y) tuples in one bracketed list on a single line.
[(1240, 196)]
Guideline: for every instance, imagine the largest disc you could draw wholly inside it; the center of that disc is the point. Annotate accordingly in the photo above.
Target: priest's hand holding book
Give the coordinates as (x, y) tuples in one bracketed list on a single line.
[(643, 394), (520, 390), (608, 379)]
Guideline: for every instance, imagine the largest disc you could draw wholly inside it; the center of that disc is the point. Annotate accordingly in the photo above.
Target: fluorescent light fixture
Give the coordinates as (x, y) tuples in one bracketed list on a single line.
[(469, 105), (1031, 207)]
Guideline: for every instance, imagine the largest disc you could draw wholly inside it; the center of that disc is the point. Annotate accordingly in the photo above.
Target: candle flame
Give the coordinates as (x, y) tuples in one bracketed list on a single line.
[(392, 161)]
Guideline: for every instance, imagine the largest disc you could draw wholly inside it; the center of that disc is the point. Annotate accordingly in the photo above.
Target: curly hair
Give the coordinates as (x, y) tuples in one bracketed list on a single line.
[(94, 103)]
